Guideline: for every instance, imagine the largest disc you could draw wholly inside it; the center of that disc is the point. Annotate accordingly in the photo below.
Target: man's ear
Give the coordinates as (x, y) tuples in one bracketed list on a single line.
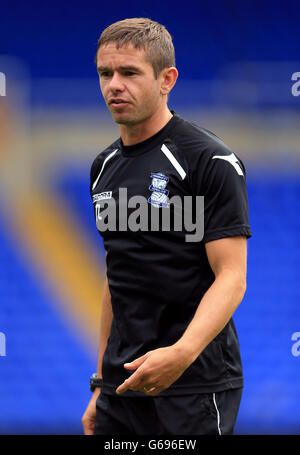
[(168, 79)]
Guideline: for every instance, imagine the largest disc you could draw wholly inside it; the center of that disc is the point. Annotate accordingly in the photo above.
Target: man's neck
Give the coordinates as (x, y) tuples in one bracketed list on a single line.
[(133, 134)]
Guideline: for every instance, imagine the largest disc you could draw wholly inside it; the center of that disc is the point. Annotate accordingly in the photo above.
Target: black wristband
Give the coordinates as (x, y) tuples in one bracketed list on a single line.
[(95, 382)]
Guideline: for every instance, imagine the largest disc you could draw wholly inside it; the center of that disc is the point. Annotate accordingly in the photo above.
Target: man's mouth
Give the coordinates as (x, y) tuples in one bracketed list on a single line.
[(117, 102)]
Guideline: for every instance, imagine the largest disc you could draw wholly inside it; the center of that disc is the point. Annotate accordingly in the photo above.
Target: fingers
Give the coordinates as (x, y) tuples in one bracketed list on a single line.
[(123, 387), (151, 391), (89, 430), (138, 380), (132, 383), (137, 362), (88, 425), (137, 383)]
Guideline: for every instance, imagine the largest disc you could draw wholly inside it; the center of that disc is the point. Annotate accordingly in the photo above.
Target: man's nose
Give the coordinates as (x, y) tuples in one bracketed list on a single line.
[(116, 83)]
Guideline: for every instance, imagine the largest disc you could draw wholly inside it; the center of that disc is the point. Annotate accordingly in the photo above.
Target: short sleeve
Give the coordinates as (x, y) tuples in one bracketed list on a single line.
[(95, 169), (223, 185)]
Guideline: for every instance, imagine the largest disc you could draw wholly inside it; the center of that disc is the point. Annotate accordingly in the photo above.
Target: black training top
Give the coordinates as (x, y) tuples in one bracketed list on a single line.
[(157, 267)]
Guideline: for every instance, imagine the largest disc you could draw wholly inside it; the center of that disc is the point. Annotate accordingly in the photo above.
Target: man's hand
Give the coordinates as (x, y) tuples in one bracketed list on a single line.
[(89, 417), (156, 370)]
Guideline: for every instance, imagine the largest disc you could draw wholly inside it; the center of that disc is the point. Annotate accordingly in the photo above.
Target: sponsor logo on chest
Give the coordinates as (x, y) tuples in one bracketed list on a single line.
[(101, 196)]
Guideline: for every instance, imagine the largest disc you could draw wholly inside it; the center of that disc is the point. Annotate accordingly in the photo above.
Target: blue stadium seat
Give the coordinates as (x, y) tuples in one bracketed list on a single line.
[(45, 373)]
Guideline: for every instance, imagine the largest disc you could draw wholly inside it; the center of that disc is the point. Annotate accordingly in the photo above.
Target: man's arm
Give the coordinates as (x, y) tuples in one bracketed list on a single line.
[(228, 260), (158, 369), (105, 325), (88, 418)]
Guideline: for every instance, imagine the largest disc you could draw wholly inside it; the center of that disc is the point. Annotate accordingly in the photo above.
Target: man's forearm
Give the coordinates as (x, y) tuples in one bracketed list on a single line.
[(214, 311), (105, 325)]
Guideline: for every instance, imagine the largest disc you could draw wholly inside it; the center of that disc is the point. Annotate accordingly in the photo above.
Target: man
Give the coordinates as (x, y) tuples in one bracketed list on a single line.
[(169, 360)]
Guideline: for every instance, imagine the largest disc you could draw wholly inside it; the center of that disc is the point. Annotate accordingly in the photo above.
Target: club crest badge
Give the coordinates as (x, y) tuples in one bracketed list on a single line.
[(159, 196)]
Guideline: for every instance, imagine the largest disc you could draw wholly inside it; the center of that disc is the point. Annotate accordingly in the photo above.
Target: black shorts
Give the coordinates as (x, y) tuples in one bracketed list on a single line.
[(195, 414)]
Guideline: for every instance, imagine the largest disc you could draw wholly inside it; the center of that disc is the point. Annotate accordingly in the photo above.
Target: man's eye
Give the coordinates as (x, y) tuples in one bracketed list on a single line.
[(129, 73), (105, 74)]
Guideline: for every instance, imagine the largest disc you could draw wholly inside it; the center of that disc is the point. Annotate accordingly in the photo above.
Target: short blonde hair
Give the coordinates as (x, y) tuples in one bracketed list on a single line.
[(143, 33)]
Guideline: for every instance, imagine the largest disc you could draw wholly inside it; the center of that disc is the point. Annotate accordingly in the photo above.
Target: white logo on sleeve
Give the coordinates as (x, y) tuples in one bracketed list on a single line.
[(232, 159)]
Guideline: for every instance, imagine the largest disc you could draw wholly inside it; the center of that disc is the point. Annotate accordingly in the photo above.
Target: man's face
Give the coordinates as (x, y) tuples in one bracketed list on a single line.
[(130, 90)]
